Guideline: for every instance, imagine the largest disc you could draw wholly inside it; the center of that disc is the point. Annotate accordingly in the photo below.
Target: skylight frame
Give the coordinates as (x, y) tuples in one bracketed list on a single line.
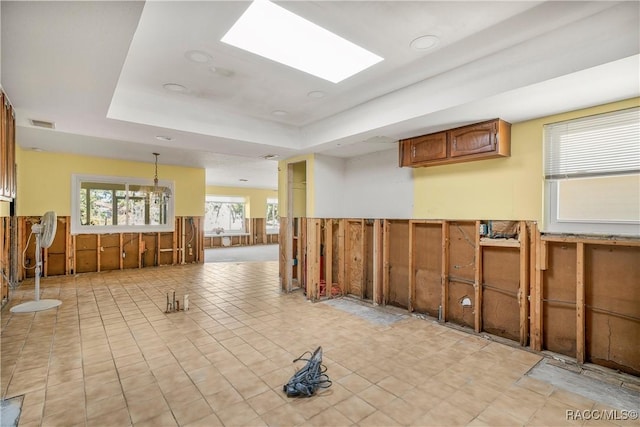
[(275, 33)]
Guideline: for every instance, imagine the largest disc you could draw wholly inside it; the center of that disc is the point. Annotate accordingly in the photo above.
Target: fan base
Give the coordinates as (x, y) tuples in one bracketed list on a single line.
[(31, 306)]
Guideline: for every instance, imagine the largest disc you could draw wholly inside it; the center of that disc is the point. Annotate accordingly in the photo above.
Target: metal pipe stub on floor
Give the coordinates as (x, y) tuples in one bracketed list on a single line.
[(173, 304)]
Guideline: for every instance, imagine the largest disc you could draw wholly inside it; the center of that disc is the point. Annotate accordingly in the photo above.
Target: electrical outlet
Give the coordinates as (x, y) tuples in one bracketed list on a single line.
[(190, 251), (124, 254)]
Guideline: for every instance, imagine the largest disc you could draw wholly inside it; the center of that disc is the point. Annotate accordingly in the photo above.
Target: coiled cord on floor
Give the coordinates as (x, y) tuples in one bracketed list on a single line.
[(312, 376)]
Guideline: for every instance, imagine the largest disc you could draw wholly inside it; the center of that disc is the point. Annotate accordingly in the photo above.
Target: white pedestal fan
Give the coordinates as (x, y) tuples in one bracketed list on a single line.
[(45, 232)]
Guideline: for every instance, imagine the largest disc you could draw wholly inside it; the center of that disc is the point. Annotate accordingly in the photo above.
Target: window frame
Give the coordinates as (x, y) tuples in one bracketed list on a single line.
[(215, 198), (552, 203), (276, 229), (78, 228)]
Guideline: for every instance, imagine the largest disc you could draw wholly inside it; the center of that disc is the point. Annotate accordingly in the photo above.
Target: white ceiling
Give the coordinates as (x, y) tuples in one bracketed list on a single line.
[(97, 70)]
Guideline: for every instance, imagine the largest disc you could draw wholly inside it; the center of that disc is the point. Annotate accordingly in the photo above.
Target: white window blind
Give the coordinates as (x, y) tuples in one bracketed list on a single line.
[(606, 144), (592, 174)]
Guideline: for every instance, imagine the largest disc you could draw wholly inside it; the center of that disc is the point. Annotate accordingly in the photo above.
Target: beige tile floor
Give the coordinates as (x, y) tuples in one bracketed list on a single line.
[(110, 356)]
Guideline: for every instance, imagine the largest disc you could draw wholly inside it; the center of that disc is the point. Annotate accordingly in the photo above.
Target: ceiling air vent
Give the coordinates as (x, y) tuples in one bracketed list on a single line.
[(43, 124)]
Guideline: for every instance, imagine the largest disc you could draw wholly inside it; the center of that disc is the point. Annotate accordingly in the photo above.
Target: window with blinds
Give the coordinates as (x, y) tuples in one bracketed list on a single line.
[(592, 174)]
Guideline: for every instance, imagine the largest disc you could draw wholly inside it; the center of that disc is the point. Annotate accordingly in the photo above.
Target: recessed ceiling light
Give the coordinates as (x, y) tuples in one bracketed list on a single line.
[(316, 94), (270, 156), (223, 72), (424, 42), (174, 87), (279, 113), (164, 138), (243, 180), (36, 149), (275, 33), (198, 56)]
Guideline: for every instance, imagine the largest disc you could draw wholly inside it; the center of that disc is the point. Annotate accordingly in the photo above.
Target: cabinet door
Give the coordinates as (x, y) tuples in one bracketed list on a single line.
[(3, 148), (475, 139), (10, 183), (429, 147)]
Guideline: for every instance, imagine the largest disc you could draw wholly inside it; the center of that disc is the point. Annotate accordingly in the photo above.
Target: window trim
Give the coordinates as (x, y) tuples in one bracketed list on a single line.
[(216, 198), (78, 228), (553, 175), (557, 226), (276, 229)]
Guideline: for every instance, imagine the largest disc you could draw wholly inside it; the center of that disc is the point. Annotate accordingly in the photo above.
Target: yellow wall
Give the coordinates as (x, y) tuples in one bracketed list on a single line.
[(508, 188), (304, 195), (44, 181), (4, 208), (256, 198)]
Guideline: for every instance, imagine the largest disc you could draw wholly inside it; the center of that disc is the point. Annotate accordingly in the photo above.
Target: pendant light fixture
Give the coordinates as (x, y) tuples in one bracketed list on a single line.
[(159, 194)]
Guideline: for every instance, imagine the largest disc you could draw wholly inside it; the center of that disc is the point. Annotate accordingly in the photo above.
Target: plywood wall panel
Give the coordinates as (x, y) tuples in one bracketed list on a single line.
[(612, 297), (130, 249), (191, 232), (258, 230), (29, 255), (86, 253), (59, 242), (501, 277), (110, 252), (461, 268), (149, 256), (55, 264), (56, 253), (559, 298), (427, 268), (456, 312), (4, 257), (165, 256), (462, 250), (399, 263)]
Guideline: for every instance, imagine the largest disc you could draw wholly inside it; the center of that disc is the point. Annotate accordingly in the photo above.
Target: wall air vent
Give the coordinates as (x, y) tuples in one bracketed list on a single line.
[(43, 124)]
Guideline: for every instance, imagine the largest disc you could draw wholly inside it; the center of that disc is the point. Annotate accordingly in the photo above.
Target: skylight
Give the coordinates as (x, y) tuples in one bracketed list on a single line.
[(275, 33)]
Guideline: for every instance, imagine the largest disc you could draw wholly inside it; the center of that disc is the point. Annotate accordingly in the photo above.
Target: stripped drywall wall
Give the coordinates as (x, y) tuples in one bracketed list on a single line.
[(375, 187), (309, 198), (329, 185)]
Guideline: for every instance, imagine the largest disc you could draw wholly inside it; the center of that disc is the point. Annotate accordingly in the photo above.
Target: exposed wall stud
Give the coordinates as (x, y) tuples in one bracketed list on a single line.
[(477, 285), (523, 294), (385, 262), (342, 255), (445, 272), (580, 304), (378, 261), (412, 272)]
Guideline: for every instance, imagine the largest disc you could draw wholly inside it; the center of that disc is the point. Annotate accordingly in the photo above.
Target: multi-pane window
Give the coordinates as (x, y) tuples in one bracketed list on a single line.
[(106, 204), (273, 219), (224, 214), (592, 174)]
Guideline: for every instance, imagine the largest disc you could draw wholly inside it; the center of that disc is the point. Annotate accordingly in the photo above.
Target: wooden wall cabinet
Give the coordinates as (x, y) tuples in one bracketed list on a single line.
[(7, 150), (485, 140)]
